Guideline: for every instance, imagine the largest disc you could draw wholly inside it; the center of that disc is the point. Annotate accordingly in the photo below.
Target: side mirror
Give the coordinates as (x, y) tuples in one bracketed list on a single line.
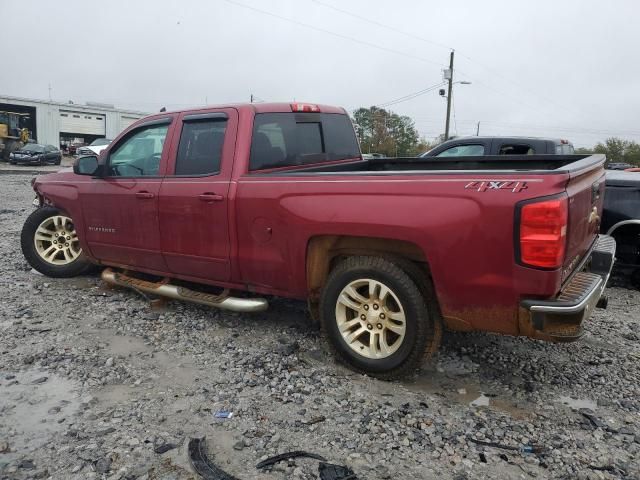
[(86, 165)]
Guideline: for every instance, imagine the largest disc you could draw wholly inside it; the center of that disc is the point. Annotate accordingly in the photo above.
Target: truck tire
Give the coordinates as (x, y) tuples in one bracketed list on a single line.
[(376, 317), (50, 244)]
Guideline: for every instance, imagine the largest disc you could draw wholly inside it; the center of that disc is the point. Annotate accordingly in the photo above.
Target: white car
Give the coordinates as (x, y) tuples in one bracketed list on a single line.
[(94, 148)]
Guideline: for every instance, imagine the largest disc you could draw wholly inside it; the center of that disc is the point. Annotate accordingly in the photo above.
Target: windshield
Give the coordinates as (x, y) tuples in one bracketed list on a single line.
[(98, 142), (33, 147)]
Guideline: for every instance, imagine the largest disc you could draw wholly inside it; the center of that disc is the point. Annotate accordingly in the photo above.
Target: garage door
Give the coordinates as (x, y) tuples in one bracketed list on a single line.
[(126, 121), (82, 122)]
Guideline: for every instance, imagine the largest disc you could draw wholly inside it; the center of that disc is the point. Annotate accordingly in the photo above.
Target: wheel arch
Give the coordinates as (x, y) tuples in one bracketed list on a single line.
[(627, 224), (324, 251)]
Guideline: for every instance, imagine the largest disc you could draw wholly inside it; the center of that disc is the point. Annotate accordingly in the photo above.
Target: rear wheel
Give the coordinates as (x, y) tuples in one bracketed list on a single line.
[(50, 244), (376, 318)]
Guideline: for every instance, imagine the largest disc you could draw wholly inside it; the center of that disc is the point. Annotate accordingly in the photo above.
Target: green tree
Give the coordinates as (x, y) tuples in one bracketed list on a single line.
[(584, 151), (619, 150), (382, 131)]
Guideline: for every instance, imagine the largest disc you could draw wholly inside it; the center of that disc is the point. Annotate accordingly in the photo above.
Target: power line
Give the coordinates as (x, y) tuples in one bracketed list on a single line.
[(369, 44), (495, 72), (422, 39), (379, 24), (409, 96), (548, 128), (335, 34)]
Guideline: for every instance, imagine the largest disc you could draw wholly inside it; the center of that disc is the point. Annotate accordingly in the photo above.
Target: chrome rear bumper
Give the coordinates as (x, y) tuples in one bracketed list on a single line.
[(561, 318)]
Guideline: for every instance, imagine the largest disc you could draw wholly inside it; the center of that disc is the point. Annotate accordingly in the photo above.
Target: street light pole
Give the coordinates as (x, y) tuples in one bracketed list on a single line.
[(449, 93)]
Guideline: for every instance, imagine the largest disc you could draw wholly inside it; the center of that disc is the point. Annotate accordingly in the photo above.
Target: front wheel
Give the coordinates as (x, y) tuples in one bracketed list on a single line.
[(50, 244), (376, 317)]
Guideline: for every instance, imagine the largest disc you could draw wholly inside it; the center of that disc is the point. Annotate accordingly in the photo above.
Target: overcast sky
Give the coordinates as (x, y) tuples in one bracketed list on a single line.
[(559, 68)]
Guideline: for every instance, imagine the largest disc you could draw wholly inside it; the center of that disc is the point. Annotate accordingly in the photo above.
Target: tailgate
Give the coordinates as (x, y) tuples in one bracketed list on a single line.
[(585, 190)]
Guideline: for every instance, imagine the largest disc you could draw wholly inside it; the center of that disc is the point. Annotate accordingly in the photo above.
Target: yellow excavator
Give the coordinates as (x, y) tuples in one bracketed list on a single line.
[(12, 137)]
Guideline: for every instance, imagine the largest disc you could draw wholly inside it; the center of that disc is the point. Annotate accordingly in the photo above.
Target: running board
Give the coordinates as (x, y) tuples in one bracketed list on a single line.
[(165, 289)]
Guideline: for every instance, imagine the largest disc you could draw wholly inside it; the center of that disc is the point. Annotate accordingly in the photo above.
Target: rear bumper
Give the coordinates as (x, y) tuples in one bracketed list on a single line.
[(560, 319)]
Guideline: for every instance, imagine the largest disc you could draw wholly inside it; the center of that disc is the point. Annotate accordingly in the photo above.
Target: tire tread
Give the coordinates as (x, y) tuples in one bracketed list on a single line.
[(428, 326), (80, 266)]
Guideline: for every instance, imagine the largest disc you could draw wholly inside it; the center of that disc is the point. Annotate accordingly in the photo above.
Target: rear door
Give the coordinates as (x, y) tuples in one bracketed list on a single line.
[(194, 221)]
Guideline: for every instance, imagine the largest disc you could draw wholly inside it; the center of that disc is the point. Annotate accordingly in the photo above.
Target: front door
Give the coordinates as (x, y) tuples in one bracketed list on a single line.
[(194, 223), (120, 210)]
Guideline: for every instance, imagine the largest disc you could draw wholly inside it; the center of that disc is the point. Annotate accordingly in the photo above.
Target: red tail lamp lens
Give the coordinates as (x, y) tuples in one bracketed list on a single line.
[(543, 232)]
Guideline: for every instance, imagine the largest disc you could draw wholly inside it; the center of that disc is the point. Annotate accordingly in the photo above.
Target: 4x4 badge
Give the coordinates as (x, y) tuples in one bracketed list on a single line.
[(484, 185)]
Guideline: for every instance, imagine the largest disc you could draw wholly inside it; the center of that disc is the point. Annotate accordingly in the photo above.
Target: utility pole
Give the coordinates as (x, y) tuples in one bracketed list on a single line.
[(449, 93), (478, 130), (252, 98)]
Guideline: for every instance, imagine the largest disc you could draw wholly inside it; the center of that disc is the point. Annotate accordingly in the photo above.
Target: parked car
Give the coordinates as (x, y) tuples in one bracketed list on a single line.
[(36, 153), (621, 219), (276, 199), (369, 156), (476, 146), (73, 148), (94, 148), (618, 166)]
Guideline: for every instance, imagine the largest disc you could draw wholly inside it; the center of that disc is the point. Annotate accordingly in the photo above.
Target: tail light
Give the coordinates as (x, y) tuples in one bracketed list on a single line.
[(304, 107), (543, 232)]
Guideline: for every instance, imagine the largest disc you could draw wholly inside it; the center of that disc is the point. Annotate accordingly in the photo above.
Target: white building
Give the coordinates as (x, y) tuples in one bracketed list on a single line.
[(51, 123)]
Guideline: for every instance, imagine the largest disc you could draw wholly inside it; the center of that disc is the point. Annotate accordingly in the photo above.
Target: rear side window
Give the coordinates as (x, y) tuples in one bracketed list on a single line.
[(463, 151), (288, 139), (564, 149), (200, 149), (512, 149)]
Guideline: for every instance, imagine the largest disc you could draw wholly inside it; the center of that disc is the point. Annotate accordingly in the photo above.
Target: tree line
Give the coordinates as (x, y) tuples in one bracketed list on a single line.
[(382, 131), (617, 150)]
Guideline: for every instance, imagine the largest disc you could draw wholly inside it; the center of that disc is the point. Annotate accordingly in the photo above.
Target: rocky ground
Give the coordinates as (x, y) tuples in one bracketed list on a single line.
[(95, 382)]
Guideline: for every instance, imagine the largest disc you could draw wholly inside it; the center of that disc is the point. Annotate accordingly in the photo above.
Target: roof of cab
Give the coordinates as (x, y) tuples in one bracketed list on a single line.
[(266, 107), (509, 138)]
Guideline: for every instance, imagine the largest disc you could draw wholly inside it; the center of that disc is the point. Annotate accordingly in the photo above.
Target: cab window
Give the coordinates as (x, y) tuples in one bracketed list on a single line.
[(513, 149), (564, 149), (139, 154), (463, 151), (200, 149), (287, 139)]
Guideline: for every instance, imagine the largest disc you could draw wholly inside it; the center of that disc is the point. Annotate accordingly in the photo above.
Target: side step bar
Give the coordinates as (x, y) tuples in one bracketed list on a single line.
[(165, 289)]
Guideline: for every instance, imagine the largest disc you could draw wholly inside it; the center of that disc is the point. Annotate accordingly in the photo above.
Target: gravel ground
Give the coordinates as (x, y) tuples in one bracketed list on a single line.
[(94, 380)]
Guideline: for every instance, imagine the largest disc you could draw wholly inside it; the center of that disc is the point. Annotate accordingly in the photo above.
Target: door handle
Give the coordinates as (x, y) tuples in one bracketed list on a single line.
[(210, 197), (144, 194)]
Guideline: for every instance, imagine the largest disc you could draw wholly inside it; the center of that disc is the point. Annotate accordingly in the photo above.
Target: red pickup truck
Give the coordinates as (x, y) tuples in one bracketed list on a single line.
[(221, 204)]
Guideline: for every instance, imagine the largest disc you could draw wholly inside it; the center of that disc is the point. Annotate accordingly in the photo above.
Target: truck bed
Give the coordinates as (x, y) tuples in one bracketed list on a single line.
[(497, 163)]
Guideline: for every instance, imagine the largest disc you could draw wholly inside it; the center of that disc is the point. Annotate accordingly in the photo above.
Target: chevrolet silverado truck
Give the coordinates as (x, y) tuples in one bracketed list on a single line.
[(228, 205)]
